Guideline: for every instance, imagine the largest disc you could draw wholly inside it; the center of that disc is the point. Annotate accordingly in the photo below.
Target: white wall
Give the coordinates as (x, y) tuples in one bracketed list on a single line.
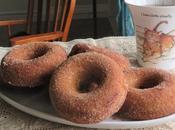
[(10, 9), (17, 8), (12, 5)]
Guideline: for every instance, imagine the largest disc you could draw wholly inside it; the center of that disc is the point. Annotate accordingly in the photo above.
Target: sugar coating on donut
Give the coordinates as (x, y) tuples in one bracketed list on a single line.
[(31, 64), (82, 48), (102, 94), (150, 95)]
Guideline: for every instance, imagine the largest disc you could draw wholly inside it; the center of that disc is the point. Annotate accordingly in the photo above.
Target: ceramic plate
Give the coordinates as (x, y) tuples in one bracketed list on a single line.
[(36, 102)]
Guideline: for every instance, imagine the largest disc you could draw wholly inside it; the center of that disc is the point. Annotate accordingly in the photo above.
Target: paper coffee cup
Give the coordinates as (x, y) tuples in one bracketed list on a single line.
[(154, 22)]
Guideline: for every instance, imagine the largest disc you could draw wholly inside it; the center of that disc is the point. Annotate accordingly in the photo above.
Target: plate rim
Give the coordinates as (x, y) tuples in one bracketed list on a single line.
[(108, 125)]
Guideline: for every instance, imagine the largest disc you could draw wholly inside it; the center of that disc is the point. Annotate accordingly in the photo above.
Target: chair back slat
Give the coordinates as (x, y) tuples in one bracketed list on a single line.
[(69, 15), (64, 15), (30, 16), (56, 16), (39, 16), (9, 31), (48, 16)]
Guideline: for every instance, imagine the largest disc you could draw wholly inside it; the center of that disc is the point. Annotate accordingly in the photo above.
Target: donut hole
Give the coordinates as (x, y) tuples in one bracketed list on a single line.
[(38, 52), (32, 53), (150, 81), (91, 80), (29, 52)]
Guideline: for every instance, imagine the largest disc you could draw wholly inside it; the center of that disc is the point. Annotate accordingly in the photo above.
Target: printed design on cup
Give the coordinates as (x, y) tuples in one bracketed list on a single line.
[(153, 43)]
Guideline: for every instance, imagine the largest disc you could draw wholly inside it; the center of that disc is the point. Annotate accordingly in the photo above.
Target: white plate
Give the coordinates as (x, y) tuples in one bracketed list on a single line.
[(36, 102)]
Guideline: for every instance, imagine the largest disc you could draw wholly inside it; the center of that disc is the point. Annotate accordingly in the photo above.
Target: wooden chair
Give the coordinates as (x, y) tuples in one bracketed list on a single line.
[(50, 29)]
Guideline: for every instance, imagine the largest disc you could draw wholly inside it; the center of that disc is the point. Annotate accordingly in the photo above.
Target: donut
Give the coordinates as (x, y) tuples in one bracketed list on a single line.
[(151, 94), (120, 59), (32, 64), (87, 88)]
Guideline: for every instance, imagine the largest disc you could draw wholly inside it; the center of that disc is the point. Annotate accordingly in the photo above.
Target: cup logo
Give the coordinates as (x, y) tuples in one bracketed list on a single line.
[(156, 44), (154, 22)]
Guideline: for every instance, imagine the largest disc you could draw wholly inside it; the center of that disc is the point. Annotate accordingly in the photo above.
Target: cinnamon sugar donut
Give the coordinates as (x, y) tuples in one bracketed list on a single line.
[(151, 94), (31, 64), (87, 88), (120, 59)]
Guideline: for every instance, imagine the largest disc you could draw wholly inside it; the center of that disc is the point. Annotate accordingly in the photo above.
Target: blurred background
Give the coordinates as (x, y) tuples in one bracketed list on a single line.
[(91, 19)]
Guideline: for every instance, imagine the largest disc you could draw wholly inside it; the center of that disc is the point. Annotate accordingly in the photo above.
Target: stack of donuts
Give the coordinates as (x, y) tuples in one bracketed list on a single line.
[(90, 84)]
